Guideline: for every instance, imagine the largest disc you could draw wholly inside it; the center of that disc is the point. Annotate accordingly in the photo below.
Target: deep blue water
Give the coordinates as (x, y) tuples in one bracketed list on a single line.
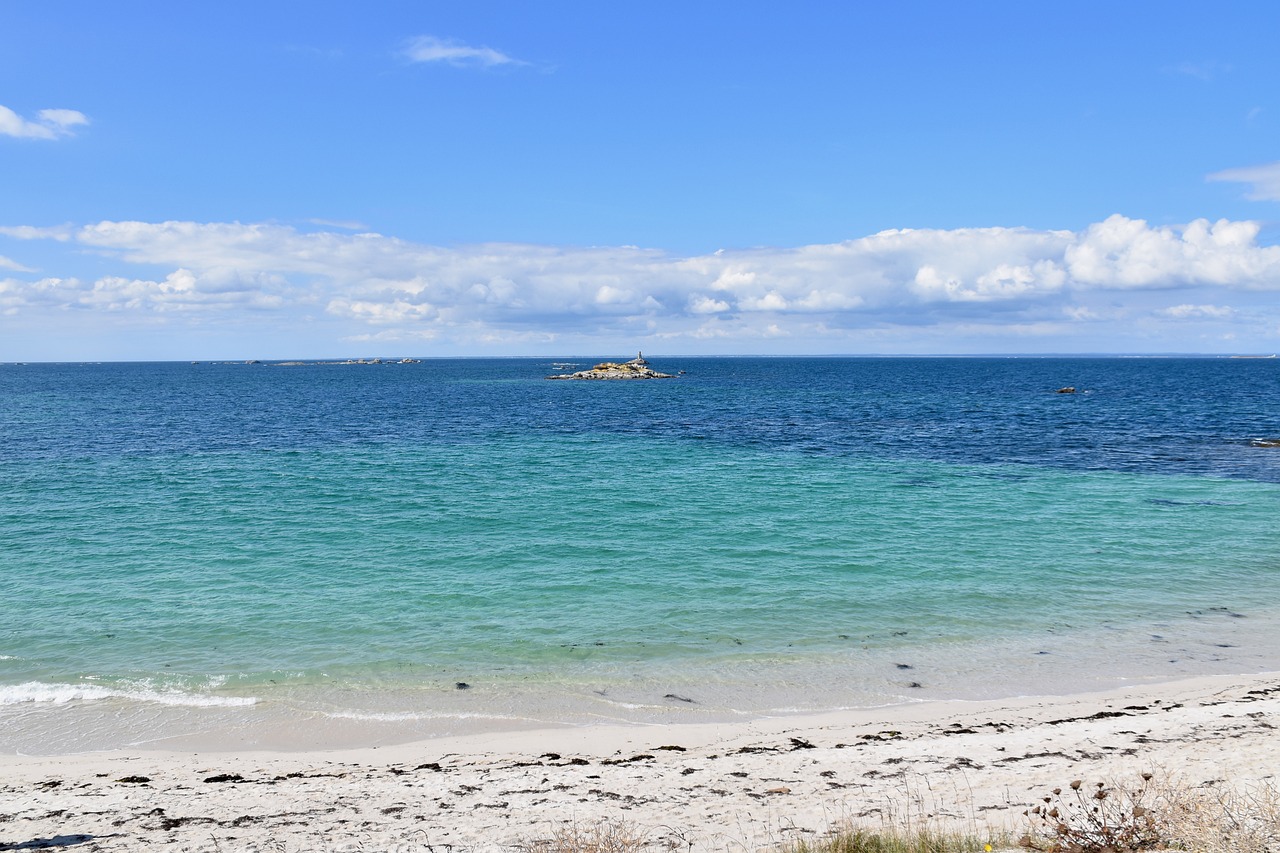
[(1193, 416)]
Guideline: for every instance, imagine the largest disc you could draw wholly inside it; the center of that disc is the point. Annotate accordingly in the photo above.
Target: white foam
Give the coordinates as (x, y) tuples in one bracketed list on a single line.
[(62, 694)]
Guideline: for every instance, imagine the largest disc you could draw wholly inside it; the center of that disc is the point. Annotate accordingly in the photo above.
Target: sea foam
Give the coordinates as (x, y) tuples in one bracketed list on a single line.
[(62, 694)]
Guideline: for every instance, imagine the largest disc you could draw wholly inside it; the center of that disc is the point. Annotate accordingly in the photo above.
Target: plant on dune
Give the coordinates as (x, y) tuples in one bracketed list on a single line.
[(1097, 818), (1101, 818)]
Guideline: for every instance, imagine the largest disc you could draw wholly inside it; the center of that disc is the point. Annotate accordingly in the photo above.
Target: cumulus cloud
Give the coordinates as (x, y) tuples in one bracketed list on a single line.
[(707, 305), (1028, 283), (179, 291), (1263, 180), (1124, 253), (49, 124), (456, 53)]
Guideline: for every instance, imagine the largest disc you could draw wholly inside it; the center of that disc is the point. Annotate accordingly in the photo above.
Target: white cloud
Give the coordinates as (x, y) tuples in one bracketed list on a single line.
[(10, 264), (1181, 312), (383, 313), (456, 53), (771, 301), (1128, 253), (16, 295), (62, 119), (50, 124), (344, 224), (607, 294), (1265, 180), (706, 305), (1031, 284), (180, 290), (61, 233)]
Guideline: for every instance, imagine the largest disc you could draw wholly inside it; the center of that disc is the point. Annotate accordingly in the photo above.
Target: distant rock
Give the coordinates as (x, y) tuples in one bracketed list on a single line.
[(637, 368), (1068, 389)]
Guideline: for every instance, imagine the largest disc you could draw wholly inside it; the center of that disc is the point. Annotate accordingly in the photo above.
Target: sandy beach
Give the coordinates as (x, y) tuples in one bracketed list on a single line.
[(694, 787)]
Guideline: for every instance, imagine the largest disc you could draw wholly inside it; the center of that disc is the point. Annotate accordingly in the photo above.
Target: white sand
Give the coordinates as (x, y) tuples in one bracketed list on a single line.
[(736, 787)]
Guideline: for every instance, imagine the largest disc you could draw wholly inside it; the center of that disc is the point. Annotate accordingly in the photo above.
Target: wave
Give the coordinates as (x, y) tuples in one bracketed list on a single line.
[(62, 694)]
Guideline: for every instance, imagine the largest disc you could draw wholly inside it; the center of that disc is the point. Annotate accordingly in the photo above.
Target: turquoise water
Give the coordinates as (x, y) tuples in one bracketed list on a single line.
[(196, 548)]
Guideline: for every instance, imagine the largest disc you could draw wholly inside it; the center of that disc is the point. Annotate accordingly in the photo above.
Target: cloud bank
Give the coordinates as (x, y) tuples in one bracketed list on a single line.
[(972, 283), (49, 124)]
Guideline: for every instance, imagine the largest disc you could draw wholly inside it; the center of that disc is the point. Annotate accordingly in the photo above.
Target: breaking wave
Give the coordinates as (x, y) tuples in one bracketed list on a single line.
[(62, 694)]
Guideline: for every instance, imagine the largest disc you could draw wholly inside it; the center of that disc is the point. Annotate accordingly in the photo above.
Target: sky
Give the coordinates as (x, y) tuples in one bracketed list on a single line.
[(321, 179)]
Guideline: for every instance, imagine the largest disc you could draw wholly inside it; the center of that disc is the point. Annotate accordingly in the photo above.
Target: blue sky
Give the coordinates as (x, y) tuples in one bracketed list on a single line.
[(471, 178)]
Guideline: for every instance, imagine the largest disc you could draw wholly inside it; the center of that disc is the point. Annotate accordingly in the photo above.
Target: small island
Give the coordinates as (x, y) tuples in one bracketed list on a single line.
[(636, 368)]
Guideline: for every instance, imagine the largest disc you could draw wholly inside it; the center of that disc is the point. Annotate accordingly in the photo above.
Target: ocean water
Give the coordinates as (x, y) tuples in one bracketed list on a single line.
[(267, 555)]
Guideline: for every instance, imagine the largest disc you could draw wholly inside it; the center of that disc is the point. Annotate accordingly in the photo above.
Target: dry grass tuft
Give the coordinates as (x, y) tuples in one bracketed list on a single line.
[(1153, 815), (1219, 820), (918, 818), (856, 840), (608, 836), (1143, 815)]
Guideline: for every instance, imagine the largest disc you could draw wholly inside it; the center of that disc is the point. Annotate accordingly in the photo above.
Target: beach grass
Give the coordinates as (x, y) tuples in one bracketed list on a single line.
[(607, 836), (1218, 818), (616, 836), (1157, 811), (919, 840), (1133, 816)]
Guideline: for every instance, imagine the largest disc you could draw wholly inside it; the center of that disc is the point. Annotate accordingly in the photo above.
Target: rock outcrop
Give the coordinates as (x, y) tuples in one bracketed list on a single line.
[(637, 368)]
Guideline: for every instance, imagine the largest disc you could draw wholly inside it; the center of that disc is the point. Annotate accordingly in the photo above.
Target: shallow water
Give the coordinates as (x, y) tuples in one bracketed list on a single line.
[(269, 553)]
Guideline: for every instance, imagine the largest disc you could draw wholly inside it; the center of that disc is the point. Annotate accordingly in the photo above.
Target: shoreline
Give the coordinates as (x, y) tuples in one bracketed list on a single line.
[(77, 718), (706, 786)]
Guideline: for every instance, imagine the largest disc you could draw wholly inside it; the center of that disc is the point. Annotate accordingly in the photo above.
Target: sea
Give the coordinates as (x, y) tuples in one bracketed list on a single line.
[(301, 555)]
